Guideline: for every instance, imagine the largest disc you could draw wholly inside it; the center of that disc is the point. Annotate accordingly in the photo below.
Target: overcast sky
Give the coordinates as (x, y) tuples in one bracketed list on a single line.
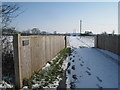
[(64, 16)]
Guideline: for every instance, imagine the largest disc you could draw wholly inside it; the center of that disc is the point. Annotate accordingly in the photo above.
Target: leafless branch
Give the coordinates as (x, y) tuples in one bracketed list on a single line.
[(7, 13)]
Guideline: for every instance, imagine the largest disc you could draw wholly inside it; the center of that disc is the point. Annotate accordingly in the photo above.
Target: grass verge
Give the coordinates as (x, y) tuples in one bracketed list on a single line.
[(48, 75)]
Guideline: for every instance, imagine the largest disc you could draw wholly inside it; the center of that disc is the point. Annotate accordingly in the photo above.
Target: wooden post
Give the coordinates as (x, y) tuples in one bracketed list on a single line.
[(1, 47), (96, 41), (0, 61), (17, 61), (65, 41)]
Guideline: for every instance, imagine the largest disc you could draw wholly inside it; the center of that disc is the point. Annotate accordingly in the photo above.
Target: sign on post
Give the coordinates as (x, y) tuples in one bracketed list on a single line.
[(25, 42)]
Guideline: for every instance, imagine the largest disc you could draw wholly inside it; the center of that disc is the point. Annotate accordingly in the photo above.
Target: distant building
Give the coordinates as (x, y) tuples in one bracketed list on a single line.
[(88, 33), (74, 34), (55, 32)]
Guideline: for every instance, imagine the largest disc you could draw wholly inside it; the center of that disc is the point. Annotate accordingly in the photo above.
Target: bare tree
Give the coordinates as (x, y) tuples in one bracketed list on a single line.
[(7, 13), (35, 31), (104, 33)]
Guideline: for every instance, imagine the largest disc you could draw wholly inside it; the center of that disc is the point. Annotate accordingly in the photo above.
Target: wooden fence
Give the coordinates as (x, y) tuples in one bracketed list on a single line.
[(32, 52), (108, 42)]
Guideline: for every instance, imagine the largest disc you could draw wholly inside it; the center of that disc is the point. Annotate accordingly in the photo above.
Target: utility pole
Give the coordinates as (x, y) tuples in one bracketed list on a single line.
[(80, 26)]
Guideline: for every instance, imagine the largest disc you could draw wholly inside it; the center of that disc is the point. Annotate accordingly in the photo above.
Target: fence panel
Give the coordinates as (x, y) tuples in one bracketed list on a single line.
[(32, 53), (109, 42)]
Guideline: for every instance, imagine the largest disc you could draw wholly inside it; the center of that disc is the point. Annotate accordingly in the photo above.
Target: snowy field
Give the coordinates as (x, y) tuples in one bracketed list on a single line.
[(84, 41), (90, 67)]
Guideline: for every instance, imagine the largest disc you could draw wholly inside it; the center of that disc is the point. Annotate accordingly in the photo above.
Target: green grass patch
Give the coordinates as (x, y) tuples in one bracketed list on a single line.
[(49, 74)]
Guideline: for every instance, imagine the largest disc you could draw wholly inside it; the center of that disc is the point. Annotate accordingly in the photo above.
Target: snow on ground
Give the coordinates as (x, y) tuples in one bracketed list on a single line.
[(8, 42), (4, 84), (110, 54), (65, 62), (88, 67), (54, 85), (77, 42)]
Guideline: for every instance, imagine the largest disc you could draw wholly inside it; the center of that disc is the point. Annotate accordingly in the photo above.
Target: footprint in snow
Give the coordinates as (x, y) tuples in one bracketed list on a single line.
[(74, 77), (81, 64), (70, 58), (73, 60), (98, 79), (88, 68), (82, 61), (68, 64), (73, 67), (101, 88), (75, 52), (88, 72), (72, 85), (69, 71), (73, 56)]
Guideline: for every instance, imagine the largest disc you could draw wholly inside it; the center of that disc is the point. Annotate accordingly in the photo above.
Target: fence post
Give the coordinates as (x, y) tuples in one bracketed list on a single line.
[(0, 60), (17, 62), (96, 41), (118, 47), (65, 41), (1, 47)]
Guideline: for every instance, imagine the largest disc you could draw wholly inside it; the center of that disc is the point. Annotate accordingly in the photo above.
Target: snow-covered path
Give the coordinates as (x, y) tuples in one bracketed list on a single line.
[(89, 67)]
